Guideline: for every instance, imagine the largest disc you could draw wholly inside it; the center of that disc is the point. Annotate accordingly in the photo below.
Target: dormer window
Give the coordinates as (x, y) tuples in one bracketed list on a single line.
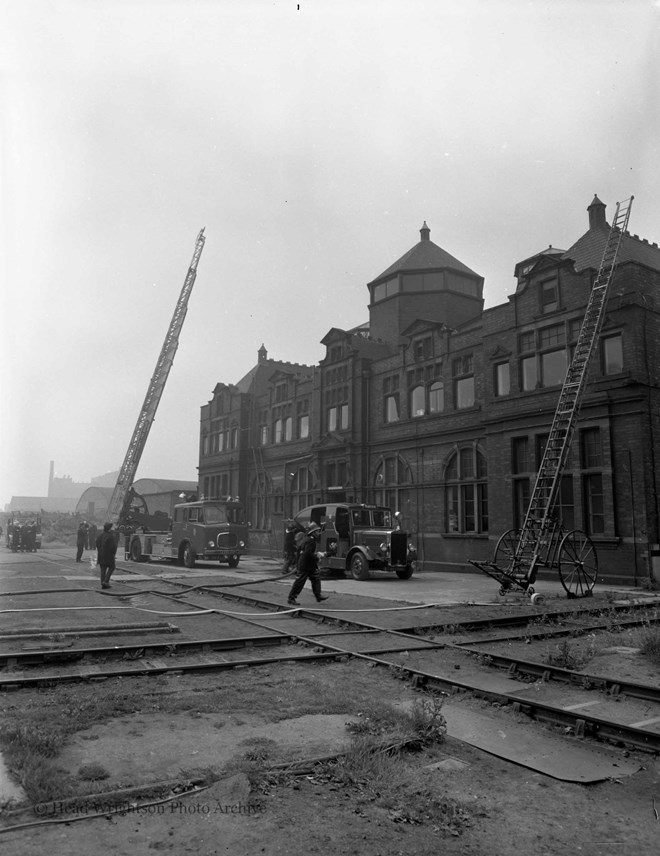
[(280, 391), (549, 295), (422, 349)]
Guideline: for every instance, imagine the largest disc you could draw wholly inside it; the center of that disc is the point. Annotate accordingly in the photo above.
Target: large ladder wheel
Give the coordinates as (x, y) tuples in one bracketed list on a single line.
[(505, 549), (578, 564)]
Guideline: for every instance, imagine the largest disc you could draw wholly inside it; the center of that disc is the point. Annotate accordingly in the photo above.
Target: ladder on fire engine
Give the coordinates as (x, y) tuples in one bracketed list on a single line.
[(537, 540), (121, 495)]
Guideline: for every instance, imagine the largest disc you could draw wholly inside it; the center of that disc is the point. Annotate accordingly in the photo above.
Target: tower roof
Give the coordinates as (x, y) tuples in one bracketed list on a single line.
[(426, 255)]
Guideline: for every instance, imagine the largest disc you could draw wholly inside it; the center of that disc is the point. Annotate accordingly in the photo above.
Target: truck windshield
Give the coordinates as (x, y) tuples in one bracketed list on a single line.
[(215, 514), (379, 518), (383, 517)]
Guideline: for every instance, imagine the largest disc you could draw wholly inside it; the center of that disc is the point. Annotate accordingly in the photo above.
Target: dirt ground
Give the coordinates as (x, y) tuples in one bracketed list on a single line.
[(234, 731)]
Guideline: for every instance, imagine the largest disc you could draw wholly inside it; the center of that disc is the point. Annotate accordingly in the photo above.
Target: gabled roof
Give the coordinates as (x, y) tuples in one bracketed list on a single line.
[(587, 251), (421, 325), (426, 256)]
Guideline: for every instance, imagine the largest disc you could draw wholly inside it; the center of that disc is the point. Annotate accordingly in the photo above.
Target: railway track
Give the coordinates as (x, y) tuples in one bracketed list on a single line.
[(578, 703)]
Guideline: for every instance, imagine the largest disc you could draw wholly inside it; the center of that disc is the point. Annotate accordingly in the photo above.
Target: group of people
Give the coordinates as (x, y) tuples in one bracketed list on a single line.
[(301, 551), (22, 536), (105, 544)]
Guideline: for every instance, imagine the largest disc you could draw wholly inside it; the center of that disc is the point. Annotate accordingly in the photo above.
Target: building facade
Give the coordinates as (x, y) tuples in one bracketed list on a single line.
[(441, 409)]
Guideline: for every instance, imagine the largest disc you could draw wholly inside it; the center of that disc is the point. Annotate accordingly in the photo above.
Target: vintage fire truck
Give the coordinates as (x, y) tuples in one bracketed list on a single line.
[(360, 538), (210, 530)]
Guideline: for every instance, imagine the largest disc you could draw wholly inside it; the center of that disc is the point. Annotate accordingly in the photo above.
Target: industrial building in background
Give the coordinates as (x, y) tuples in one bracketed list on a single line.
[(441, 409)]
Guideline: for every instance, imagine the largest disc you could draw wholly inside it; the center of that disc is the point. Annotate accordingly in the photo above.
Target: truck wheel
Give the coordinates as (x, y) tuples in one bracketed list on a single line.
[(359, 567), (136, 550), (233, 561), (406, 573), (189, 556)]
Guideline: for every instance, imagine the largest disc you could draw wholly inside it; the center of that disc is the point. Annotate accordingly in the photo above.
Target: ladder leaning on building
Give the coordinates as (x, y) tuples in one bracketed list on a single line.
[(541, 541)]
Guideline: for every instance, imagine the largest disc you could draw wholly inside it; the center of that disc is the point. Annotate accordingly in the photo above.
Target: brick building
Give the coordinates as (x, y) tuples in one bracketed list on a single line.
[(440, 408)]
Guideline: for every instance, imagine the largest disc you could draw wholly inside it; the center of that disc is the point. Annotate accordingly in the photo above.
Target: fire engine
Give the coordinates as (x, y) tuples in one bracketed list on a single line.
[(211, 530), (360, 538)]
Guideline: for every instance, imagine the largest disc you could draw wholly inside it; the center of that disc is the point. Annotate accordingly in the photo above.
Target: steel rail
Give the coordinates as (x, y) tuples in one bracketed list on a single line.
[(516, 667)]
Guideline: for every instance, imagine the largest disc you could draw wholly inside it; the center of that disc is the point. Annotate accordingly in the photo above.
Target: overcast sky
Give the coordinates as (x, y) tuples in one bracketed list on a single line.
[(311, 140)]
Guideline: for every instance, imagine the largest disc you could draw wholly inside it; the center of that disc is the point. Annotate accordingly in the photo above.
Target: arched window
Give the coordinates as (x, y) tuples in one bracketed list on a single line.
[(437, 397), (418, 401), (466, 491), (393, 481)]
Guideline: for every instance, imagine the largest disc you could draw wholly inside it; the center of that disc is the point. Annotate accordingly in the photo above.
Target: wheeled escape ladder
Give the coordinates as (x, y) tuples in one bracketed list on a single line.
[(121, 495), (540, 524)]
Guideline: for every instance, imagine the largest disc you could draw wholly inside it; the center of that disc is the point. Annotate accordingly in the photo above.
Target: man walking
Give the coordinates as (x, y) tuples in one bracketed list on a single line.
[(308, 567), (106, 544)]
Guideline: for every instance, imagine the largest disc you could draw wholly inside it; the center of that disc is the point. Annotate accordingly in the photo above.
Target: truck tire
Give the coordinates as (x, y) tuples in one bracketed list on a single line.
[(135, 551), (405, 573), (359, 567), (233, 561), (189, 556)]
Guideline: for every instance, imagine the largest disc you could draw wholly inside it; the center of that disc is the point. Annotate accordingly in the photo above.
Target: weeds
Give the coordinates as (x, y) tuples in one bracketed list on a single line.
[(567, 657), (648, 641)]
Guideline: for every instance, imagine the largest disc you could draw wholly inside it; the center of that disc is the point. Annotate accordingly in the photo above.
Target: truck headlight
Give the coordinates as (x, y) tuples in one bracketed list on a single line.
[(241, 544), (383, 547), (211, 544)]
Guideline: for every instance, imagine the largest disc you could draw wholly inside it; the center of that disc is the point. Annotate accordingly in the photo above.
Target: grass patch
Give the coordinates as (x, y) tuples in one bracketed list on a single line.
[(39, 723), (648, 642)]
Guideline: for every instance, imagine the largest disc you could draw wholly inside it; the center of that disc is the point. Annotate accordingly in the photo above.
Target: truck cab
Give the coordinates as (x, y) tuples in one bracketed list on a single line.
[(359, 538), (210, 530)]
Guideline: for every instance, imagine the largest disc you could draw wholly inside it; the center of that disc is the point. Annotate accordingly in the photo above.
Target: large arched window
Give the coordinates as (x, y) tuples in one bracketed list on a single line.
[(466, 491), (393, 481)]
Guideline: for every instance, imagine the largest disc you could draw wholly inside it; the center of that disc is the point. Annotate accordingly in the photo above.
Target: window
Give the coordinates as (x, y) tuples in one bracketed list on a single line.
[(385, 289), (425, 390), (549, 292), (336, 474), (418, 401), (546, 367), (393, 480), (592, 481), (521, 467), (436, 397), (466, 492), (302, 412), (422, 349), (288, 428), (277, 431), (391, 398), (336, 400), (264, 435), (612, 355), (463, 382), (301, 489), (502, 379)]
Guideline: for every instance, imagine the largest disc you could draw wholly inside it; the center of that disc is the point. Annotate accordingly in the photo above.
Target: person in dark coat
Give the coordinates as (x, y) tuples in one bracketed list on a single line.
[(290, 549), (92, 533), (81, 540), (308, 567), (106, 545)]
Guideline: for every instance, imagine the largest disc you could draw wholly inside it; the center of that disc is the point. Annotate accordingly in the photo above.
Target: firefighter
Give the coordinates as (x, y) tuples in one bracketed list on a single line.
[(308, 567), (290, 550)]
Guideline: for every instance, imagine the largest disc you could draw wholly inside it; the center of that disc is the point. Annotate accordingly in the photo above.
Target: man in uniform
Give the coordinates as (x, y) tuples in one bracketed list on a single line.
[(308, 567)]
